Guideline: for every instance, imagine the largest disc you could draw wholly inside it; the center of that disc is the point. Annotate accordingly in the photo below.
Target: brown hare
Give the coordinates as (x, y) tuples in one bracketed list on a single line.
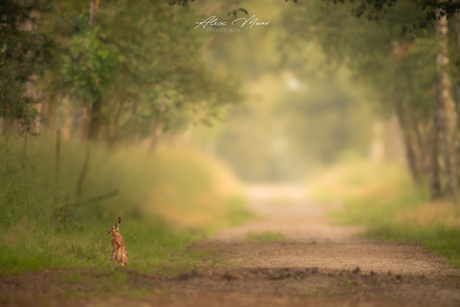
[(119, 251)]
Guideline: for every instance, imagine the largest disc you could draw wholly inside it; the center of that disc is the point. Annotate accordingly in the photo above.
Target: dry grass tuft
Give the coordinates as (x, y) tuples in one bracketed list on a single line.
[(432, 214)]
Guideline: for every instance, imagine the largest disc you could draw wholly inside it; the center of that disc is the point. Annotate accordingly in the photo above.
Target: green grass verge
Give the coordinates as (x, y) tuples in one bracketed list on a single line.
[(154, 248), (32, 232), (444, 240), (384, 222)]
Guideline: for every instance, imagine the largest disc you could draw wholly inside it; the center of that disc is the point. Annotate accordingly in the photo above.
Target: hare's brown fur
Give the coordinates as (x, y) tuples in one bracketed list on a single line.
[(119, 251)]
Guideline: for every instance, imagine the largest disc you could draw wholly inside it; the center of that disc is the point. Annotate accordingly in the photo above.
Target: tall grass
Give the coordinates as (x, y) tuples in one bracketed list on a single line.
[(167, 199), (383, 198)]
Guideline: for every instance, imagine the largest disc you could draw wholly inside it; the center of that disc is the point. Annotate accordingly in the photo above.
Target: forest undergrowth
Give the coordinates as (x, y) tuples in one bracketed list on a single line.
[(167, 199)]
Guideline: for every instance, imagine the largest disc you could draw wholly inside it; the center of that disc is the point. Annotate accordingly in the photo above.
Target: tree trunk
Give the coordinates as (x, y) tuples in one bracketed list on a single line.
[(33, 93), (160, 124), (435, 183), (447, 115), (96, 106), (412, 158), (93, 9), (84, 120), (116, 123), (412, 154), (7, 125), (67, 125), (31, 89), (81, 179), (95, 124), (457, 26), (57, 165), (135, 121), (50, 110)]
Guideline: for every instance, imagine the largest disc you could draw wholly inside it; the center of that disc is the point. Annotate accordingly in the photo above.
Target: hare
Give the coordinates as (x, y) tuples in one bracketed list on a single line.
[(119, 251)]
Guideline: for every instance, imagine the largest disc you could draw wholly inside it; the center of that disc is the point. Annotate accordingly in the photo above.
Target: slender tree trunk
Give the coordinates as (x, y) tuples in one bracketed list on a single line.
[(95, 124), (135, 121), (57, 165), (435, 183), (8, 125), (93, 9), (418, 140), (31, 90), (33, 93), (84, 116), (51, 112), (81, 179), (24, 151), (457, 26), (447, 115), (457, 102), (116, 123), (67, 119), (409, 144), (160, 124), (412, 158), (96, 106)]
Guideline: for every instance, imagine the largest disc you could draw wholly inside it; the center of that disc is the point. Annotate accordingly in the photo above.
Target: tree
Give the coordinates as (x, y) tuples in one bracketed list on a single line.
[(135, 67), (447, 115), (22, 55), (400, 68)]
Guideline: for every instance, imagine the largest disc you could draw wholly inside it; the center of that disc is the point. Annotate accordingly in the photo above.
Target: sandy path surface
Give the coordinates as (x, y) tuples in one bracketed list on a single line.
[(315, 240), (319, 264), (286, 210)]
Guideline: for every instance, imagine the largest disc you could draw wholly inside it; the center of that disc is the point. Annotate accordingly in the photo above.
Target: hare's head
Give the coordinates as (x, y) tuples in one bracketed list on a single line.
[(114, 229)]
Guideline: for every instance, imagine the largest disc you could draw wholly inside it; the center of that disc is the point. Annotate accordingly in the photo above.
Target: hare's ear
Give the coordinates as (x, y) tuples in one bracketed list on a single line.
[(118, 221)]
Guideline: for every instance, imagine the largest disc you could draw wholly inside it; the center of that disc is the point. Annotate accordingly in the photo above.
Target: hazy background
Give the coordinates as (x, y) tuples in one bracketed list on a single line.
[(299, 111), (112, 108)]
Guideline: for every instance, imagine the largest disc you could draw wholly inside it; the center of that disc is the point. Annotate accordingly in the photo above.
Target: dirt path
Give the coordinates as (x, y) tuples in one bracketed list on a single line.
[(323, 260), (319, 264), (314, 240)]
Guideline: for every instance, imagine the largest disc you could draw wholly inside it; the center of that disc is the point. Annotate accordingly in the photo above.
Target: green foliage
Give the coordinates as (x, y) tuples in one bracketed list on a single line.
[(234, 13), (161, 79), (179, 2), (139, 61), (22, 55), (89, 65), (399, 69), (375, 10)]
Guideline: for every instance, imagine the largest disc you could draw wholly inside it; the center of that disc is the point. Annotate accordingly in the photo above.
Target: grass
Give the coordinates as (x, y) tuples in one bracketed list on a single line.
[(265, 236), (383, 198), (167, 199)]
